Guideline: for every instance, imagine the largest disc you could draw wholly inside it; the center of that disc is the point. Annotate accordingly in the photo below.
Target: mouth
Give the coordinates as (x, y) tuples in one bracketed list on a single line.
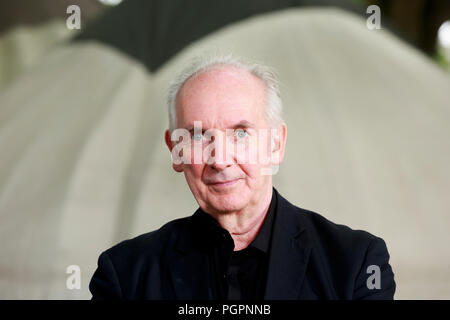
[(224, 184)]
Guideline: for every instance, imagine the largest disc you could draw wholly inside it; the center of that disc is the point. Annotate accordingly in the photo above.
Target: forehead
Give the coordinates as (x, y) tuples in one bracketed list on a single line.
[(221, 97)]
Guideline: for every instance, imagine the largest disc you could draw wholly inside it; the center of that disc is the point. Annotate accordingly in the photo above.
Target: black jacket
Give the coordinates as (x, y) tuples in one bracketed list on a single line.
[(311, 258)]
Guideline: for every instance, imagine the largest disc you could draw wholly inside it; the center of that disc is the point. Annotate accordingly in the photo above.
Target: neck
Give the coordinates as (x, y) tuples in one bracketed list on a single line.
[(245, 224)]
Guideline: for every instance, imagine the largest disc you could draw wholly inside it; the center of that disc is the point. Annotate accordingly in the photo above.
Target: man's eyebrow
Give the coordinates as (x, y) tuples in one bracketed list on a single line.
[(191, 128), (240, 124), (243, 124)]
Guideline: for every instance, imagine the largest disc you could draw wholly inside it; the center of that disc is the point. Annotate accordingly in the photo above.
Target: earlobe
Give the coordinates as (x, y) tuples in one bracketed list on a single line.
[(177, 167)]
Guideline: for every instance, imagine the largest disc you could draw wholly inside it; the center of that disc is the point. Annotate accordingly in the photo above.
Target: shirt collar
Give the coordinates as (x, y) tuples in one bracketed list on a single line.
[(209, 227), (262, 240)]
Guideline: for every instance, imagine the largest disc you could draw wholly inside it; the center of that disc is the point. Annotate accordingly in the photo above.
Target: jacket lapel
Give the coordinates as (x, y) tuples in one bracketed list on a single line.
[(290, 251)]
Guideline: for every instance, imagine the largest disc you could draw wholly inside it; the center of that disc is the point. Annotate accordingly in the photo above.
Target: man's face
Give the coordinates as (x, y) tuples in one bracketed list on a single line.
[(225, 98)]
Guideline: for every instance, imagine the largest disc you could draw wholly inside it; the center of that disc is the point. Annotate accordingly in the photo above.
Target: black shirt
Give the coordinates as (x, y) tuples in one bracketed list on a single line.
[(238, 275)]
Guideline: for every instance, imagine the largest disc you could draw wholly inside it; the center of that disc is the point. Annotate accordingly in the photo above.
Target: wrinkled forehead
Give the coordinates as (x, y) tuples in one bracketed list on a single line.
[(222, 97)]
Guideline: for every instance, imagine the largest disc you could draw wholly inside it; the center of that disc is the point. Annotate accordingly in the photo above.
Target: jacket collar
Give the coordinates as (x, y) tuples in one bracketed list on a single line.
[(289, 253)]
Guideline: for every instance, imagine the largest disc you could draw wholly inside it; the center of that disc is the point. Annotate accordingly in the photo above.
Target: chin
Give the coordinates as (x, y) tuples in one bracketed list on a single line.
[(227, 203)]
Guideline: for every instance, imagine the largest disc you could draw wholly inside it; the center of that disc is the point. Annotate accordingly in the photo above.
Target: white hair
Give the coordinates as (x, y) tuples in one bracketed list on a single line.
[(205, 63)]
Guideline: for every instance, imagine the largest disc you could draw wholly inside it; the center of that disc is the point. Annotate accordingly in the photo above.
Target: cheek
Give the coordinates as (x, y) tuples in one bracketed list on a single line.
[(252, 172), (193, 173), (255, 151)]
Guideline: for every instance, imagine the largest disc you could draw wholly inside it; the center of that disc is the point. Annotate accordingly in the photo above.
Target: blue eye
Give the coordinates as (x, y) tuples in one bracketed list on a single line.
[(198, 137), (241, 133)]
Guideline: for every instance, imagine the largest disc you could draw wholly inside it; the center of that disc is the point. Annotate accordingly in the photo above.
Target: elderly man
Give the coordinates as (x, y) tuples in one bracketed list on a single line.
[(245, 241)]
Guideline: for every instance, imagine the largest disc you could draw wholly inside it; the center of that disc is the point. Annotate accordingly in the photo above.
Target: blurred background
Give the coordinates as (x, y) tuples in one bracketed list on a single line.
[(83, 164)]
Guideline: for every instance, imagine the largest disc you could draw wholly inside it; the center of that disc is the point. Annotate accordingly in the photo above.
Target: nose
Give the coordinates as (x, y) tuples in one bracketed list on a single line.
[(221, 155), (219, 166)]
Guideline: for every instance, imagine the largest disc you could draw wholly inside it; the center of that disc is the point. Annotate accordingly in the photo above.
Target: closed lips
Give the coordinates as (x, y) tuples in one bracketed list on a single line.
[(223, 182)]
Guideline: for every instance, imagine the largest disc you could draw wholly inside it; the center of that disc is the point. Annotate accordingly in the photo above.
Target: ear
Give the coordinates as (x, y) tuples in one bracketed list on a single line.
[(279, 145), (170, 144)]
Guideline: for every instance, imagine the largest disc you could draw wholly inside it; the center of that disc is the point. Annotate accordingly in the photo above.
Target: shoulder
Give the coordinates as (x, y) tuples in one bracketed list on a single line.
[(346, 256), (323, 232), (124, 268), (327, 233), (148, 244), (339, 243)]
